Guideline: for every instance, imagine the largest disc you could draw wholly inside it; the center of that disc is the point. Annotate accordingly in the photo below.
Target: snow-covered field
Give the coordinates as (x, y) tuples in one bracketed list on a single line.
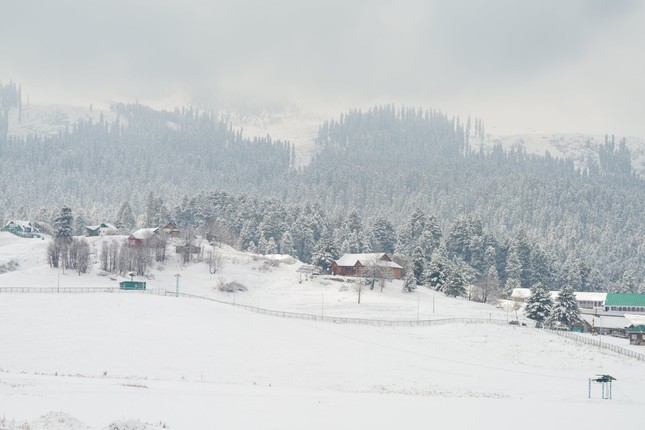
[(144, 361)]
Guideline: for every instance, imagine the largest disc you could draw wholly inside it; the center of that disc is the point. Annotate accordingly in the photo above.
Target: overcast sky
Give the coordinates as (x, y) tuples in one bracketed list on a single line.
[(522, 66)]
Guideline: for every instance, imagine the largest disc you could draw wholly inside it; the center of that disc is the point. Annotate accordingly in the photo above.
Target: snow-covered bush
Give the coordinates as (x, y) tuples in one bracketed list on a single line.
[(230, 287)]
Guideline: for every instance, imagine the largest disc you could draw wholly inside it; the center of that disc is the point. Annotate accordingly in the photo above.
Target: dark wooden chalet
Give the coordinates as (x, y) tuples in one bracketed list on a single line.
[(355, 264)]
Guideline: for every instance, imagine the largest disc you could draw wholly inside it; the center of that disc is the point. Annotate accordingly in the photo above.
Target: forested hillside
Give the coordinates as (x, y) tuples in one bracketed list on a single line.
[(415, 183), (100, 164)]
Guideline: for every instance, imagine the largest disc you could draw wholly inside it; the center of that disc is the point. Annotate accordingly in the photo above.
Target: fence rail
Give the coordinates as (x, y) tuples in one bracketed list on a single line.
[(71, 290), (346, 320), (600, 344)]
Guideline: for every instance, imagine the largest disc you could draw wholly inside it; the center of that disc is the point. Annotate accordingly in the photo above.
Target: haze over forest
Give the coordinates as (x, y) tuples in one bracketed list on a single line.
[(395, 104)]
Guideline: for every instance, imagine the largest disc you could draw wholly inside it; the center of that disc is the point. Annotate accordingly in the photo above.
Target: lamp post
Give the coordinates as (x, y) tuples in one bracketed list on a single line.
[(177, 285)]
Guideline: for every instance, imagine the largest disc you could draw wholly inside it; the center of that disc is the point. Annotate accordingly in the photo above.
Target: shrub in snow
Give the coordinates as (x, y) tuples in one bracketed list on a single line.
[(10, 266), (134, 425), (230, 287)]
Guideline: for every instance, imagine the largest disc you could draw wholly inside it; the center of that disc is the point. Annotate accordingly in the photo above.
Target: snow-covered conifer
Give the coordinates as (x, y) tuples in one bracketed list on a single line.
[(539, 304), (565, 312)]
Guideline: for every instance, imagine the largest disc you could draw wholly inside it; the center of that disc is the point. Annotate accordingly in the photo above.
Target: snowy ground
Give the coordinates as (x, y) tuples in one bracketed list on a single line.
[(77, 361)]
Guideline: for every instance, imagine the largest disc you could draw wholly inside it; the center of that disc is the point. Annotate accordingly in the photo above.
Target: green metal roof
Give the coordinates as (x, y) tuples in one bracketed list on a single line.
[(616, 299), (637, 329)]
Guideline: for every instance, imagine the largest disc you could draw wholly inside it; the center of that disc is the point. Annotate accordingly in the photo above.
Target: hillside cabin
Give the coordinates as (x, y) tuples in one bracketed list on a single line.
[(142, 235), (170, 229), (355, 264), (105, 228), (18, 226), (636, 335), (632, 303), (132, 285)]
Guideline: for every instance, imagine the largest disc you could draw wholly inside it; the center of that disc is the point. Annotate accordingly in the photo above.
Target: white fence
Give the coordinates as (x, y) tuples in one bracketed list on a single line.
[(600, 344)]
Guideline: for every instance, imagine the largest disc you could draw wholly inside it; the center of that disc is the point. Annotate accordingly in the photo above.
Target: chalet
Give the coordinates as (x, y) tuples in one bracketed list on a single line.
[(636, 335), (140, 236), (170, 229), (17, 226), (105, 228), (355, 264)]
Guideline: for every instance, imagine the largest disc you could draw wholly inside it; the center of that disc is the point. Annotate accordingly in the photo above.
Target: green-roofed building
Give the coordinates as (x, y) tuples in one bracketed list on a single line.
[(625, 302)]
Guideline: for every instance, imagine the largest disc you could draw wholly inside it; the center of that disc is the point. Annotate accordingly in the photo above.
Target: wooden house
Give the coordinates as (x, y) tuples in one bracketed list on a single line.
[(356, 264), (170, 229), (142, 235)]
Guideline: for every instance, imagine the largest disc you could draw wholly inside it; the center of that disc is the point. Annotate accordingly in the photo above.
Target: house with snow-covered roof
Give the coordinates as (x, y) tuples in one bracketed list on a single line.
[(18, 226), (105, 228), (140, 236), (355, 264)]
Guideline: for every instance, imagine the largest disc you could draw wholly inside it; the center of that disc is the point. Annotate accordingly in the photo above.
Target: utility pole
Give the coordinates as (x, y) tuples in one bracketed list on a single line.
[(177, 285)]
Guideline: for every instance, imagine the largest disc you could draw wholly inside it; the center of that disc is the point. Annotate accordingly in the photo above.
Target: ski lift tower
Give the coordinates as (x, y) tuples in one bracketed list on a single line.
[(605, 382)]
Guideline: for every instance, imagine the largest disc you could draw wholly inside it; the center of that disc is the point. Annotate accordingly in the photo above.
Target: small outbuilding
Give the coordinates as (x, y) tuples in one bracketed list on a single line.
[(132, 285), (636, 335)]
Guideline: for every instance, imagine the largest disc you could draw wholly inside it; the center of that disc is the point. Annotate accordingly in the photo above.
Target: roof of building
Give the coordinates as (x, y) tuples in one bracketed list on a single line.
[(525, 293), (349, 260), (637, 329), (21, 223), (590, 296), (617, 299), (144, 233), (636, 319), (606, 321)]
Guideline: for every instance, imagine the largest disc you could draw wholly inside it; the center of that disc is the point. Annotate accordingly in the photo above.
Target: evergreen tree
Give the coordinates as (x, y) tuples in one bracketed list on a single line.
[(286, 244), (384, 236), (539, 304), (513, 270), (325, 254), (455, 285), (565, 312), (63, 224), (418, 265), (409, 282)]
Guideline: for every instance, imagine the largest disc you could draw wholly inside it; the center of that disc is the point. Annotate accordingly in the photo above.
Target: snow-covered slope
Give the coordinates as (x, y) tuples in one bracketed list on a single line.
[(144, 361), (45, 120), (299, 127), (576, 147)]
